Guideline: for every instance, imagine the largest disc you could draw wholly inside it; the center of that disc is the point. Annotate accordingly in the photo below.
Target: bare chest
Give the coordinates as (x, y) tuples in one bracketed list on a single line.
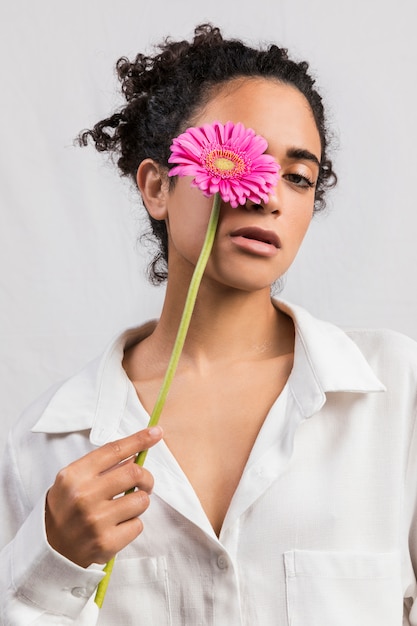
[(211, 423)]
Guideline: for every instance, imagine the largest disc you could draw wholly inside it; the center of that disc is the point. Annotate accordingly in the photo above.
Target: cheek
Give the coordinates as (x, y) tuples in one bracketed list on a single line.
[(299, 223), (187, 220), (305, 220)]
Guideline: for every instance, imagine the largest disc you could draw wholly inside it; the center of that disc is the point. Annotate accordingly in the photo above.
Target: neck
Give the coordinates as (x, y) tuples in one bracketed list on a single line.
[(227, 324)]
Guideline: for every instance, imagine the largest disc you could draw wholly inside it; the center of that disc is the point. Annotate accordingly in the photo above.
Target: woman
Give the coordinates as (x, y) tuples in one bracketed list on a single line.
[(284, 490)]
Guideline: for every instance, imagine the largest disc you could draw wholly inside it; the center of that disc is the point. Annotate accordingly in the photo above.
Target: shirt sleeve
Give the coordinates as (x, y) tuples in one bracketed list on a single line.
[(37, 584)]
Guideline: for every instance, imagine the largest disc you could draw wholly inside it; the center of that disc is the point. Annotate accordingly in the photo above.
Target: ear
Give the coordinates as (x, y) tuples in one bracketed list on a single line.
[(153, 185)]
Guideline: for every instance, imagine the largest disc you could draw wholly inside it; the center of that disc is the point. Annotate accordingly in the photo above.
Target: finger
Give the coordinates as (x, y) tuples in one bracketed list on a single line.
[(114, 452), (127, 507), (124, 477), (118, 538)]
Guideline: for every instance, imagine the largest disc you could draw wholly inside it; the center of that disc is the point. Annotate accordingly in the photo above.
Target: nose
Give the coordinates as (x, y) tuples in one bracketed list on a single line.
[(272, 206)]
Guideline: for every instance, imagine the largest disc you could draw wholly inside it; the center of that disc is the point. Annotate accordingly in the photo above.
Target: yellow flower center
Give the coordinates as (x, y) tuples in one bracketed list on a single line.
[(224, 162)]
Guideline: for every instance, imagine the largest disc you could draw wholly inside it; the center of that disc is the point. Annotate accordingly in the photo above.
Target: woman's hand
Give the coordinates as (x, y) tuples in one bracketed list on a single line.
[(84, 521)]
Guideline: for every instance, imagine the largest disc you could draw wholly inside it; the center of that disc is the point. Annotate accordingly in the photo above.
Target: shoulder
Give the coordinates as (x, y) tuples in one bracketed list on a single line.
[(53, 411), (57, 427), (355, 358), (49, 435), (378, 344), (393, 358), (34, 455), (386, 347)]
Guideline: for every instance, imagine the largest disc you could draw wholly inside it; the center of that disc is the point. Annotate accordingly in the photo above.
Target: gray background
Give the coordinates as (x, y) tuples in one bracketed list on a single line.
[(71, 267)]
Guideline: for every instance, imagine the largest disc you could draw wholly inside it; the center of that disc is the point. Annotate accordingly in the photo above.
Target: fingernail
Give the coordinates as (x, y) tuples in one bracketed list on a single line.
[(155, 431)]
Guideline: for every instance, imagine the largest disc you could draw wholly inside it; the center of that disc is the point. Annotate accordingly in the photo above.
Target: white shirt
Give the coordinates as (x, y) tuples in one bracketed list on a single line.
[(320, 532)]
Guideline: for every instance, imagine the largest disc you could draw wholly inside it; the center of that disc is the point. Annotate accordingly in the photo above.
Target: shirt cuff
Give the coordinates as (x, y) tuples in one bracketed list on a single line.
[(43, 577)]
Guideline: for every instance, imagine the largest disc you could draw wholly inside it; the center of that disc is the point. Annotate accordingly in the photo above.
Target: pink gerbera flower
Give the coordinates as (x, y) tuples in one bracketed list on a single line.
[(227, 159)]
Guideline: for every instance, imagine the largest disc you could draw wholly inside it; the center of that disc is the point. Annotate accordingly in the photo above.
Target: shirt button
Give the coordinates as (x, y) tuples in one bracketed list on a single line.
[(222, 562), (80, 592)]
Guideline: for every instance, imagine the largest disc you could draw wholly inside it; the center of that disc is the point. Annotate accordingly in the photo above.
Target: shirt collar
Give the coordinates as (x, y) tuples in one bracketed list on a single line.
[(325, 360), (96, 397)]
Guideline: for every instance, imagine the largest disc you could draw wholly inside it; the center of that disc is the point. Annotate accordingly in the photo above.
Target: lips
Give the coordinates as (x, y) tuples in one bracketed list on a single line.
[(258, 234)]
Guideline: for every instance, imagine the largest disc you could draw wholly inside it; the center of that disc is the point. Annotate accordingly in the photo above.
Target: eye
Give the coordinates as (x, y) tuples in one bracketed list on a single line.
[(299, 180)]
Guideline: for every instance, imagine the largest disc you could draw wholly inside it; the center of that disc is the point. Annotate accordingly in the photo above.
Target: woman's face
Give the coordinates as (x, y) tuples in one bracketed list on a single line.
[(282, 115)]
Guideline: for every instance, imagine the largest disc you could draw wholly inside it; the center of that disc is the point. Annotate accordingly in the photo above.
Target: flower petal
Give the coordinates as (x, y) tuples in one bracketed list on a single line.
[(225, 158)]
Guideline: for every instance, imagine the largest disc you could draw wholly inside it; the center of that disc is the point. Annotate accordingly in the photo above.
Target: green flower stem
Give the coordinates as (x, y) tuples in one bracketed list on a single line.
[(175, 356), (104, 583)]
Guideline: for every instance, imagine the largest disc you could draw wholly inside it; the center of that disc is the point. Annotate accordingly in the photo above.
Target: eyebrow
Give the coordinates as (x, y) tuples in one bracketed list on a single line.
[(302, 155)]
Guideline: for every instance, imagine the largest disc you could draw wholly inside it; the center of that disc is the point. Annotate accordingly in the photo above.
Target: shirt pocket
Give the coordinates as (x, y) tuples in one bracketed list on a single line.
[(343, 588), (138, 593)]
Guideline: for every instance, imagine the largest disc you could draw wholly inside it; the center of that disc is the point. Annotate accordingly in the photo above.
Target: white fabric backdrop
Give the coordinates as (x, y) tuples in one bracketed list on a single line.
[(71, 271)]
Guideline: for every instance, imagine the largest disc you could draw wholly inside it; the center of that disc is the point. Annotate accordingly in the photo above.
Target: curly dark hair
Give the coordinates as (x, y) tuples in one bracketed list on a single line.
[(163, 93)]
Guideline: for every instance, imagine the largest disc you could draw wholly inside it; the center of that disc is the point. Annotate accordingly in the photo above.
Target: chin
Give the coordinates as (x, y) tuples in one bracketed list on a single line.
[(244, 283), (247, 277)]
